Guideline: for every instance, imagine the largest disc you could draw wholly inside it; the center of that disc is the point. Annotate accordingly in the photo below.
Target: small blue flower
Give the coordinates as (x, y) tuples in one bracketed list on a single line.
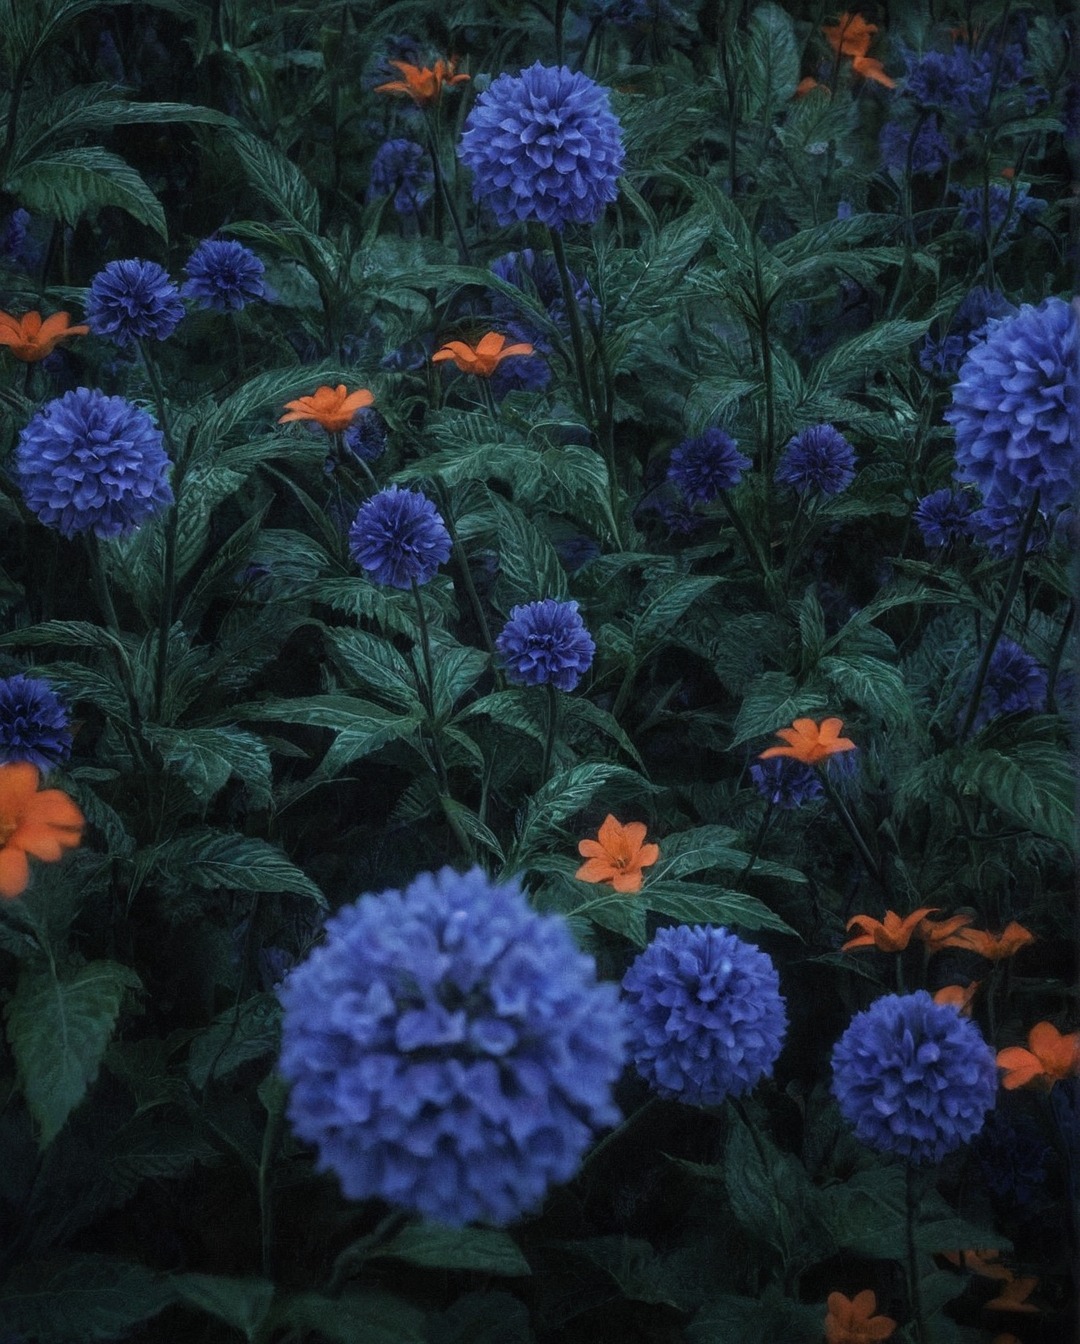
[(788, 784), (366, 435), (545, 146), (133, 300), (536, 274), (706, 1015), (927, 149), (943, 517), (1012, 1154), (1003, 206), (399, 537), (34, 725), (1014, 682), (818, 459), (450, 1050), (703, 466), (402, 169), (968, 325), (223, 275), (913, 1077), (91, 463), (546, 642)]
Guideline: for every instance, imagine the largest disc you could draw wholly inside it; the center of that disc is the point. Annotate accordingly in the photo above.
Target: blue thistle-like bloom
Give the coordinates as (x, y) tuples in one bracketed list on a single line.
[(968, 325), (703, 466), (398, 536), (536, 274), (91, 463), (929, 151), (544, 146), (1016, 410), (34, 725), (786, 783), (913, 1077), (450, 1050), (1002, 203), (706, 1015), (546, 642), (943, 517), (366, 435), (224, 275), (817, 459), (401, 169), (133, 300), (1015, 682)]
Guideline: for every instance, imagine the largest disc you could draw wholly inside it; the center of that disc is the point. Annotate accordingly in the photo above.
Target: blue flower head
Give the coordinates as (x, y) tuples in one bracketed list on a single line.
[(366, 435), (133, 300), (223, 275), (450, 1050), (818, 460), (1003, 206), (544, 146), (788, 784), (401, 169), (706, 1015), (943, 517), (546, 642), (968, 325), (34, 725), (913, 1077), (703, 466), (398, 536), (91, 463), (923, 144), (1014, 682)]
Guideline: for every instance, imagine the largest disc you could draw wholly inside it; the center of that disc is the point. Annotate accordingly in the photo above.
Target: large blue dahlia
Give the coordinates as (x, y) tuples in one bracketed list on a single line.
[(398, 536), (703, 466), (543, 145), (34, 725), (706, 1015), (133, 300), (450, 1050), (91, 463), (546, 642), (913, 1077), (224, 275)]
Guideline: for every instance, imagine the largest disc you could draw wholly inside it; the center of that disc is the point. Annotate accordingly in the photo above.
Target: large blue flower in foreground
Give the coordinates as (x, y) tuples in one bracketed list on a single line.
[(450, 1050), (34, 725), (703, 466), (91, 463), (224, 275), (546, 642), (913, 1077), (706, 1016), (133, 300), (545, 146), (398, 536)]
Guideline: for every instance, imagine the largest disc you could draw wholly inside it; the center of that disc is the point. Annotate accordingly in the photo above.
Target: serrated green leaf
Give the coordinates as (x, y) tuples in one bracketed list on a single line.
[(70, 183), (278, 180), (704, 847), (642, 1275), (366, 1316), (529, 568), (666, 607), (871, 684), (434, 1246), (697, 903), (205, 758), (1033, 785), (252, 1030), (61, 1298), (772, 1196), (214, 860), (361, 726), (376, 665), (773, 701), (241, 1303), (564, 794), (851, 360)]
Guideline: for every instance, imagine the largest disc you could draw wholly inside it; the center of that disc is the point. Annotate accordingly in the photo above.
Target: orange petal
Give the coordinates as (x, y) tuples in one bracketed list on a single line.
[(596, 870), (14, 872)]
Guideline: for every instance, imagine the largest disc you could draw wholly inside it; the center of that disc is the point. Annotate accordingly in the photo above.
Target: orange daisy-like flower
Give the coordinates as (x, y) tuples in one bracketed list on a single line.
[(617, 855), (1049, 1058), (1014, 1295), (995, 946), (331, 407), (987, 1264), (809, 743), (871, 68), (42, 823), (958, 996), (853, 1321), (850, 35), (31, 338), (889, 935), (423, 84), (941, 933), (484, 357)]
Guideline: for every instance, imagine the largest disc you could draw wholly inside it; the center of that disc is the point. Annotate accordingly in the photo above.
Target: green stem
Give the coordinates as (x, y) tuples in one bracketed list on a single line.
[(577, 338), (849, 824), (444, 192), (914, 1288), (275, 1121), (553, 716), (759, 840), (463, 566), (560, 15)]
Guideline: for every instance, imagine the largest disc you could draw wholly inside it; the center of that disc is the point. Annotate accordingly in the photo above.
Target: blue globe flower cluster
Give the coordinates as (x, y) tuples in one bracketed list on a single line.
[(818, 459), (366, 435), (450, 1050), (1015, 682), (941, 355), (133, 300), (996, 207), (702, 466), (707, 1019), (921, 147), (223, 275), (399, 537), (401, 169), (34, 725), (545, 642), (786, 783), (943, 517), (913, 1077)]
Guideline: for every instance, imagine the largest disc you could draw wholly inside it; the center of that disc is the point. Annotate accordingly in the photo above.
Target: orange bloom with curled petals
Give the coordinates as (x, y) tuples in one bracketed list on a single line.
[(484, 357), (984, 1263), (40, 823), (809, 743), (1014, 1295), (423, 84), (871, 68), (889, 935), (617, 855), (850, 35), (1049, 1058), (958, 996), (853, 1321), (995, 946), (31, 338), (331, 407), (941, 933)]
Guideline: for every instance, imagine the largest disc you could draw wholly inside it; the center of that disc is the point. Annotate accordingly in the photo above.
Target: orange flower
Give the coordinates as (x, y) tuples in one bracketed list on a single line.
[(809, 743), (941, 933), (854, 1322), (617, 855), (850, 35), (42, 823), (891, 935), (995, 946), (871, 68), (482, 358), (984, 1263), (1014, 1295), (30, 339), (423, 84), (958, 996), (808, 85), (1050, 1057), (331, 407), (1008, 173)]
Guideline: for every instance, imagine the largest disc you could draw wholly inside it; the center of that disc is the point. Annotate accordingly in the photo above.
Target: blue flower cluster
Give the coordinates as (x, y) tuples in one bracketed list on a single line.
[(132, 301), (786, 783), (450, 1050), (943, 517), (399, 537), (402, 170), (1014, 682), (1002, 206), (366, 435), (942, 356), (913, 1077), (34, 725), (223, 275), (817, 459), (546, 642), (703, 466), (923, 146), (706, 1015)]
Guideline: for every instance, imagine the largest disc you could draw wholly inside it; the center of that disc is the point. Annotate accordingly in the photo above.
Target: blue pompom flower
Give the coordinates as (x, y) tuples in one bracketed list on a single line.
[(91, 463), (786, 783), (818, 459), (401, 169), (224, 275), (943, 517), (703, 466), (546, 642), (545, 146), (34, 725), (450, 1050), (399, 536), (366, 435), (133, 300), (1014, 682), (706, 1015), (913, 1077)]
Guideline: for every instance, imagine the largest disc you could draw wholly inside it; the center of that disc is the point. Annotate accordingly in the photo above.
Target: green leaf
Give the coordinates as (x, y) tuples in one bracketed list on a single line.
[(58, 1029), (871, 684), (241, 1303), (434, 1246), (61, 1298), (376, 666), (704, 847), (367, 1316), (277, 180), (214, 860), (70, 183), (667, 607), (642, 1275), (565, 794), (361, 726), (771, 1194), (773, 701), (529, 568), (771, 60), (1033, 785), (693, 903), (252, 1030), (205, 758), (851, 360), (763, 1319)]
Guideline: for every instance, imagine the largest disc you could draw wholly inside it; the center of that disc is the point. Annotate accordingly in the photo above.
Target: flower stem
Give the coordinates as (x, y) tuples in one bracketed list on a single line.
[(850, 825), (444, 191), (759, 840), (911, 1203), (553, 716)]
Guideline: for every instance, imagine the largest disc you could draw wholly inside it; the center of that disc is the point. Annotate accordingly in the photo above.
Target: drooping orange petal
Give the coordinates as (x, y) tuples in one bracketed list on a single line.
[(1014, 1295), (14, 872), (18, 781), (871, 68)]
